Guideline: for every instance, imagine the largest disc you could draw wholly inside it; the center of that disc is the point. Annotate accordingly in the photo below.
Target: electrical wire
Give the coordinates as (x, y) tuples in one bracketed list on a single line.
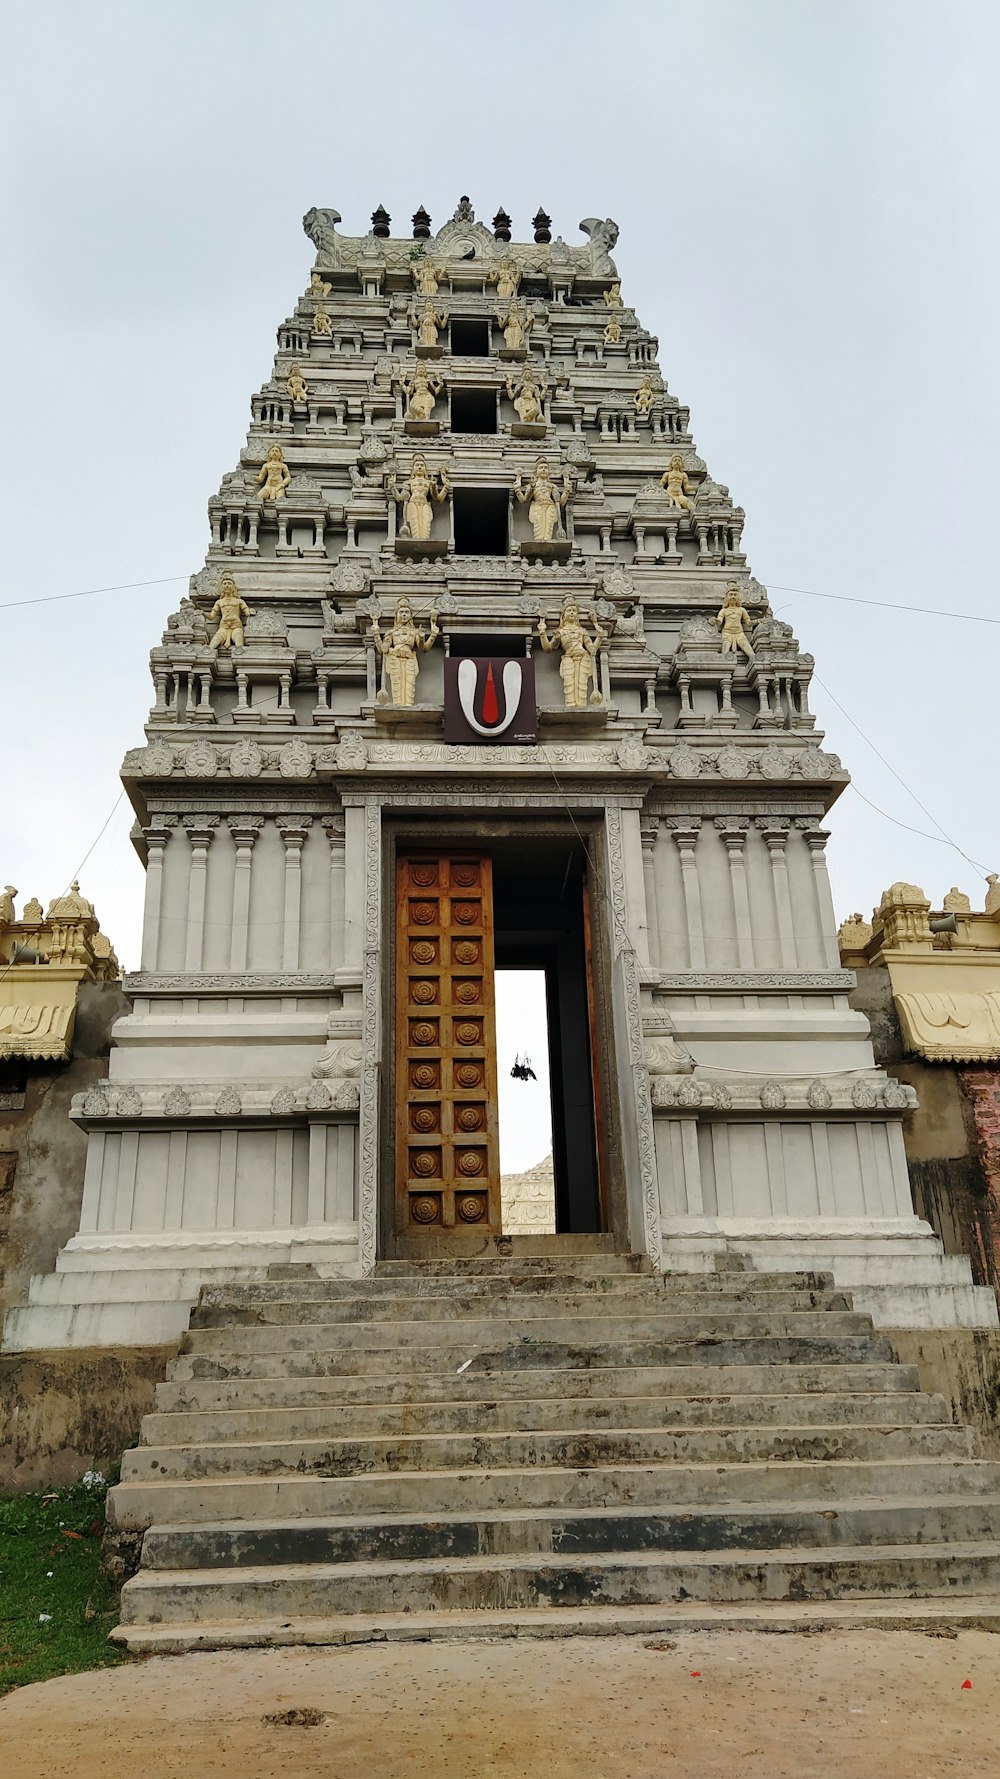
[(925, 611), (86, 592)]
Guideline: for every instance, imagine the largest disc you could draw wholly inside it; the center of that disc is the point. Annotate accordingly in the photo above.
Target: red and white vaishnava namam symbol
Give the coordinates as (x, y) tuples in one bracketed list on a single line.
[(489, 699)]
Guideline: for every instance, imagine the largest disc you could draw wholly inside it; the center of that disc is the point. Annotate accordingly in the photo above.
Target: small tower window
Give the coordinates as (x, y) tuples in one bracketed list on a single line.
[(470, 338), (473, 410), (480, 521)]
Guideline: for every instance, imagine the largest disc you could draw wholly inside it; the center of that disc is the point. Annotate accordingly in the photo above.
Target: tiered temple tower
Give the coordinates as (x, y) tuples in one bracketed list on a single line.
[(476, 674)]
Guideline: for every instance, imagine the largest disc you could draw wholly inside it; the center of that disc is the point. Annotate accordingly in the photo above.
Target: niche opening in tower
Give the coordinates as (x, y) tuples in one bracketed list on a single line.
[(480, 521), (473, 410), (470, 338)]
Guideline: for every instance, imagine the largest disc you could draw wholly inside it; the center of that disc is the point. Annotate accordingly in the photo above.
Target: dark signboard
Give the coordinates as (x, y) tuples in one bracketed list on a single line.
[(488, 698)]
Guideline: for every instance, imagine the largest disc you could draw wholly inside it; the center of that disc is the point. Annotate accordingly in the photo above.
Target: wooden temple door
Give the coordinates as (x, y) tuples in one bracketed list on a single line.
[(447, 1142)]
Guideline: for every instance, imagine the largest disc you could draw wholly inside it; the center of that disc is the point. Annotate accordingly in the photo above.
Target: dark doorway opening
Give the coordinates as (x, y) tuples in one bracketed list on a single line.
[(474, 410), (470, 338), (480, 521), (483, 643)]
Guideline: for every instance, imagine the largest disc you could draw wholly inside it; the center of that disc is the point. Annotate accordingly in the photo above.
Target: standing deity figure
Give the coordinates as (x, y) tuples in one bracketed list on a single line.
[(674, 480), (613, 297), (993, 894), (528, 394), (426, 276), (230, 610), (579, 655), (517, 325), (7, 915), (427, 321), (318, 286), (322, 323), (645, 395), (506, 275), (546, 501), (421, 392), (731, 618), (274, 474), (613, 331), (296, 384), (398, 649), (420, 488)]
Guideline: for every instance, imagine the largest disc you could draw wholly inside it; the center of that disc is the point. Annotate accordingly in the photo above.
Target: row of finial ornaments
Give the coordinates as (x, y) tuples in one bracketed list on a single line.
[(381, 223), (461, 238), (863, 1093), (106, 1100)]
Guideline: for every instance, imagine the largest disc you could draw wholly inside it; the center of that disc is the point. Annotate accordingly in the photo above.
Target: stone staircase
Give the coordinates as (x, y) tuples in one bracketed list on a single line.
[(556, 1442)]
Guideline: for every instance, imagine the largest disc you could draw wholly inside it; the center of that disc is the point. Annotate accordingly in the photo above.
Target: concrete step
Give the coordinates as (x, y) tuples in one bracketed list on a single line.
[(135, 1504), (722, 1288), (314, 1323), (978, 1612), (635, 1445), (545, 1253), (414, 1538), (631, 1299), (265, 1381), (630, 1578), (363, 1420)]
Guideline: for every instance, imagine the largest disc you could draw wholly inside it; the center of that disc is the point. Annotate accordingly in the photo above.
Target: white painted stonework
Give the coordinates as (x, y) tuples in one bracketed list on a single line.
[(244, 1122)]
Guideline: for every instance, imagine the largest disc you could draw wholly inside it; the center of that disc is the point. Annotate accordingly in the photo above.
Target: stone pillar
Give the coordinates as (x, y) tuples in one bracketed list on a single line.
[(733, 832), (199, 830), (293, 830), (774, 833), (333, 826), (816, 838), (650, 833), (354, 890), (244, 830), (157, 836), (685, 830)]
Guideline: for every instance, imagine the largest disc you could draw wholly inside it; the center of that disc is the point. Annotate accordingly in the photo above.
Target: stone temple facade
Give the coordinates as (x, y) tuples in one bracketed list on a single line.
[(476, 675)]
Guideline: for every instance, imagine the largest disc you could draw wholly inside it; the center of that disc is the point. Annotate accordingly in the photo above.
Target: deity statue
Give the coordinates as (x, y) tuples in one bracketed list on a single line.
[(427, 321), (322, 323), (644, 396), (993, 894), (296, 384), (956, 902), (398, 649), (318, 286), (674, 480), (731, 619), (613, 297), (274, 474), (230, 610), (528, 394), (506, 275), (7, 914), (421, 392), (426, 276), (517, 325), (420, 488), (613, 331), (579, 655), (546, 501)]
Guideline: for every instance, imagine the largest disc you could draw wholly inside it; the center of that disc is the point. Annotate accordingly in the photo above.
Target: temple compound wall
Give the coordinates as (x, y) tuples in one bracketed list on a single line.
[(476, 673)]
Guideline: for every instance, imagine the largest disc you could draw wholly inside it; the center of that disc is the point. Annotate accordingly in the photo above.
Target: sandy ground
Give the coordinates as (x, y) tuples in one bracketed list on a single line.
[(844, 1705)]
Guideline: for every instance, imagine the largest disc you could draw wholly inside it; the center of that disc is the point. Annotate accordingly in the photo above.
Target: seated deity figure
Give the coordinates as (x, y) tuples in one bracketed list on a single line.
[(731, 618), (579, 655), (546, 501), (421, 392), (274, 474), (318, 286), (528, 394), (613, 331), (398, 649), (674, 480), (296, 384), (613, 297), (427, 321), (420, 488), (426, 276), (506, 275), (644, 396), (517, 325), (230, 610), (322, 323)]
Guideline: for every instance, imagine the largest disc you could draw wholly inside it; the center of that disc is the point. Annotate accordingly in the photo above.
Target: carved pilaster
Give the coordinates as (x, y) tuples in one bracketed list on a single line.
[(294, 830), (156, 837), (816, 838), (244, 830), (733, 831), (200, 830), (686, 831), (333, 827), (773, 831), (650, 833)]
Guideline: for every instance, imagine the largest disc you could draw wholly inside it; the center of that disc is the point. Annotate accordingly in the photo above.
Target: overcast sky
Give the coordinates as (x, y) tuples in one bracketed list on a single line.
[(808, 201)]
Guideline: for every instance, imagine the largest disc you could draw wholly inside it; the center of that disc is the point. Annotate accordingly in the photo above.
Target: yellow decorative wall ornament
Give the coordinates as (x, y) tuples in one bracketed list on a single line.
[(229, 611), (420, 488), (399, 648), (579, 655), (674, 479), (733, 620), (274, 474)]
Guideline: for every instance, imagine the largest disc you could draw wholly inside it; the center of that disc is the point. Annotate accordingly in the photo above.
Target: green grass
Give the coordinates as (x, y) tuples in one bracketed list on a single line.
[(56, 1609)]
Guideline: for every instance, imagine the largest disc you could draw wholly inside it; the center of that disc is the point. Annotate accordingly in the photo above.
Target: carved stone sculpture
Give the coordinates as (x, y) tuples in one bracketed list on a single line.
[(644, 396), (421, 392), (420, 488), (229, 611), (296, 384), (854, 933), (956, 902), (603, 238), (674, 479), (322, 323), (546, 501), (731, 618), (399, 648), (427, 322), (613, 297), (527, 395), (318, 286), (274, 474), (613, 331), (426, 276), (506, 275), (517, 325), (993, 894), (579, 655)]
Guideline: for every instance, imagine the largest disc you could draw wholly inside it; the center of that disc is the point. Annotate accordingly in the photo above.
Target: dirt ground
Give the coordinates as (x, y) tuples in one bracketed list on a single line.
[(709, 1705)]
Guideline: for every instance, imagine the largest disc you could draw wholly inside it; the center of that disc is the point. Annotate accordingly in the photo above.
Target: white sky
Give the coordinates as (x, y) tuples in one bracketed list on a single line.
[(807, 195)]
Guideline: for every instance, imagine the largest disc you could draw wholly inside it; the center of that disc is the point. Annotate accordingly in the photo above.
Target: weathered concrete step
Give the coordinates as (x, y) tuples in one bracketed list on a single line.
[(580, 1253), (212, 1355), (414, 1538), (266, 1324), (133, 1505), (979, 1612), (217, 1308), (590, 1286), (634, 1578), (301, 1383), (522, 1414), (662, 1445)]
